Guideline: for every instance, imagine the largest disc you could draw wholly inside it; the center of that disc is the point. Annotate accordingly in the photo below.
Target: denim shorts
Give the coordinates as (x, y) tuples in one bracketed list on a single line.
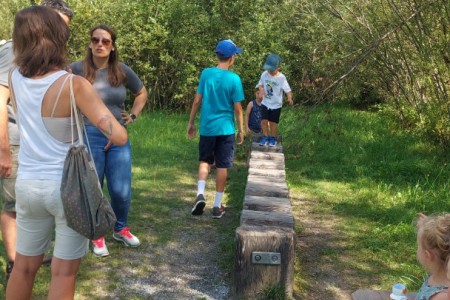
[(271, 115), (40, 213), (7, 185), (217, 149)]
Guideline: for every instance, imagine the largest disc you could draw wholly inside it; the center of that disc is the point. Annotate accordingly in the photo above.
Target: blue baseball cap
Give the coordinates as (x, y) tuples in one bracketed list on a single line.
[(226, 48), (273, 61)]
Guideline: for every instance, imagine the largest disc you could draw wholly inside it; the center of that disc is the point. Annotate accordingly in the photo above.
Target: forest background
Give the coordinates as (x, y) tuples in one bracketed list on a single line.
[(389, 54), (385, 59)]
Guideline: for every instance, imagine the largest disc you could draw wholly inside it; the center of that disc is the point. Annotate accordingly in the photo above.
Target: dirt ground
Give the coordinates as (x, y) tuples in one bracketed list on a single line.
[(189, 269), (318, 254)]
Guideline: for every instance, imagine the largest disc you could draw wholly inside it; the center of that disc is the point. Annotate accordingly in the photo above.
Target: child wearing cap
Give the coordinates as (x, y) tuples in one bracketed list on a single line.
[(253, 113), (219, 94), (272, 84)]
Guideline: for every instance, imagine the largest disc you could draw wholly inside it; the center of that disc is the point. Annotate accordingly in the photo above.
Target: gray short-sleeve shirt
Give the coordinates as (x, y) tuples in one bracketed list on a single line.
[(113, 96), (6, 64)]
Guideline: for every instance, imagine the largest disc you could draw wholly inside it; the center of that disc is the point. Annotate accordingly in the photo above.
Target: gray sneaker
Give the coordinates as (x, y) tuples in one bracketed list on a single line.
[(199, 205), (218, 212), (126, 237)]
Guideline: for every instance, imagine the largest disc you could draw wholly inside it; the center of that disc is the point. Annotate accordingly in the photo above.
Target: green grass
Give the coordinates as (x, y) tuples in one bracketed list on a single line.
[(357, 164), (375, 177), (164, 185)]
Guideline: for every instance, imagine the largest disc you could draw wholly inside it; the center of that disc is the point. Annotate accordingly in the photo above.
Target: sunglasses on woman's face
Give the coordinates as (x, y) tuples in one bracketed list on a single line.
[(96, 40)]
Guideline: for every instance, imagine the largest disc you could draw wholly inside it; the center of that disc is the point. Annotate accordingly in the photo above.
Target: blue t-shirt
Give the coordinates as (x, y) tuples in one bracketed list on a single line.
[(220, 90)]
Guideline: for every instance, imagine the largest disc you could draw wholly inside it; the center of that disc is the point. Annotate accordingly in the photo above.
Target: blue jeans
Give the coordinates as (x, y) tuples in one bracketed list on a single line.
[(115, 164)]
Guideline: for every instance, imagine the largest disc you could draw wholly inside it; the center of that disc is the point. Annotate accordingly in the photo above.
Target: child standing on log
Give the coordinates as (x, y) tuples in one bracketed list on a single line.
[(433, 250), (253, 113), (219, 94), (272, 84)]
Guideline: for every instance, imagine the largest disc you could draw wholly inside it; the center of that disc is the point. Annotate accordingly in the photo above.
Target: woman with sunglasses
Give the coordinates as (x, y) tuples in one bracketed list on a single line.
[(111, 79)]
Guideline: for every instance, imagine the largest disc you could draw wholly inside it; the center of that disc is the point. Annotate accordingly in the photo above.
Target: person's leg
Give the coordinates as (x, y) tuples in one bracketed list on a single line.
[(8, 214), (97, 143), (221, 179), (118, 178), (264, 125), (9, 235), (224, 153), (70, 247), (273, 129), (34, 232), (274, 118), (203, 170), (64, 275), (20, 284), (206, 158)]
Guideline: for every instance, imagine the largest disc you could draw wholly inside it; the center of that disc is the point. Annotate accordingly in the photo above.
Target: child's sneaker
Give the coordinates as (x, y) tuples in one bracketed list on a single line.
[(99, 247), (199, 205), (272, 141), (218, 212), (126, 237), (264, 140)]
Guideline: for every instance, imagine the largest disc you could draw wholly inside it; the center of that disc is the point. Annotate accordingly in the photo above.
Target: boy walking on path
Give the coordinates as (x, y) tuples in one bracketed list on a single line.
[(219, 94), (272, 84)]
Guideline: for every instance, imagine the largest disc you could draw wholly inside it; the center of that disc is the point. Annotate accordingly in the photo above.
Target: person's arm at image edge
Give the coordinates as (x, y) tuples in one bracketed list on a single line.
[(247, 116), (5, 154), (195, 106), (240, 121)]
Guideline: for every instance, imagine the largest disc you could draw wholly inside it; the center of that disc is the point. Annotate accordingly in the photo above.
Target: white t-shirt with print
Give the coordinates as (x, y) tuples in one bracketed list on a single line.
[(274, 86)]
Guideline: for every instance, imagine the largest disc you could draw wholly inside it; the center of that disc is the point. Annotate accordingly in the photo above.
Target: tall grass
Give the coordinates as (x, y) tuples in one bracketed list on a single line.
[(374, 176), (358, 165)]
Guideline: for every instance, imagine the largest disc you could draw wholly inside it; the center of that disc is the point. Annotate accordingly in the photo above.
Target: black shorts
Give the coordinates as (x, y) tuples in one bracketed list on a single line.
[(217, 149), (272, 115)]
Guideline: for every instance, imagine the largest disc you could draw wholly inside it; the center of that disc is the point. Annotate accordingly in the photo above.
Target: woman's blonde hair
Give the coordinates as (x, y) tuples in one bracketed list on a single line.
[(434, 233)]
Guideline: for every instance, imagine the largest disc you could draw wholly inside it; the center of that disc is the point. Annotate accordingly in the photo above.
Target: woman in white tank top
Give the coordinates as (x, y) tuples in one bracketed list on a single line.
[(40, 36)]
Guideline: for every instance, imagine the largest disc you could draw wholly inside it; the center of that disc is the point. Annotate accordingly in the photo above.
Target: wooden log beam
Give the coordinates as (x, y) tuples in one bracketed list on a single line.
[(268, 173), (266, 164), (265, 218), (267, 155), (266, 179), (281, 205), (268, 189)]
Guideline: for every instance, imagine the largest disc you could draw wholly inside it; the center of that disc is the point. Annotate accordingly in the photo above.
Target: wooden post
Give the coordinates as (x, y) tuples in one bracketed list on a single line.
[(251, 279)]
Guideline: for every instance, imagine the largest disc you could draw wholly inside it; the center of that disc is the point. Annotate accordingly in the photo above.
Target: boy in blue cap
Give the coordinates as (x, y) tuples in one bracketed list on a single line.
[(219, 94), (272, 84)]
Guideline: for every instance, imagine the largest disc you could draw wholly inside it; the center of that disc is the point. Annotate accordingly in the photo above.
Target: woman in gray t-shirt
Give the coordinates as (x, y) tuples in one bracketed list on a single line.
[(111, 79)]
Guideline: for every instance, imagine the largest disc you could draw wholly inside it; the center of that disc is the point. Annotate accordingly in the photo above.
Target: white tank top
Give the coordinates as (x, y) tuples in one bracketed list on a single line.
[(41, 156)]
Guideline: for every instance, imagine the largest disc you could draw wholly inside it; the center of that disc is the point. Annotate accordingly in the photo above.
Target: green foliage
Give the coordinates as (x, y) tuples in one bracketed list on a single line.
[(361, 167), (365, 52)]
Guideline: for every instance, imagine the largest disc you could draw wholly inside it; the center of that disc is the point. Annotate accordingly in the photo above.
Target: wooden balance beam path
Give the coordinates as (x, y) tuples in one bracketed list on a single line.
[(265, 239)]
